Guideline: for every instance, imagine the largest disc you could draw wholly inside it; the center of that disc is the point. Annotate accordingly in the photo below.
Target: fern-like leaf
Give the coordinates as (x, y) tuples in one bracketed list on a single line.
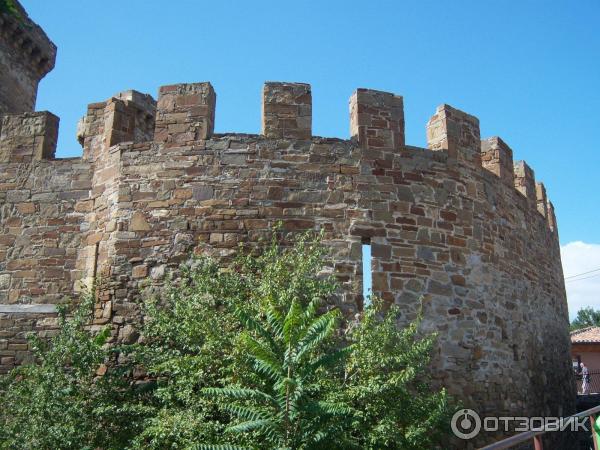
[(265, 361), (219, 447), (251, 425), (331, 359), (292, 322), (321, 329), (239, 394), (246, 413)]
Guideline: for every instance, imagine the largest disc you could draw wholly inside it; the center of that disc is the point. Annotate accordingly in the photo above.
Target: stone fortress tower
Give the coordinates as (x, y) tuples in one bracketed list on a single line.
[(26, 56), (458, 222)]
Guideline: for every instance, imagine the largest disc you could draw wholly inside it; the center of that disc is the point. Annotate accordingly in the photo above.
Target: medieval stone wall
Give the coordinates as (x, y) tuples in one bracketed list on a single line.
[(458, 225)]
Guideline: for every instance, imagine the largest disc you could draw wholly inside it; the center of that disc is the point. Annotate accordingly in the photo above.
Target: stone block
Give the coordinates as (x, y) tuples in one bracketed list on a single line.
[(287, 110), (497, 157), (456, 132), (185, 113), (138, 222), (140, 271), (377, 119)]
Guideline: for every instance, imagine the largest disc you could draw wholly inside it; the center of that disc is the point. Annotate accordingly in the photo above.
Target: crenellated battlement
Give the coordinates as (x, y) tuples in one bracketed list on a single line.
[(185, 115), (28, 137), (458, 223)]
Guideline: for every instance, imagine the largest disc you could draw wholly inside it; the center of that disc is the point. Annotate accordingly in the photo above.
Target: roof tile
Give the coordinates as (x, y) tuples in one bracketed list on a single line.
[(589, 335)]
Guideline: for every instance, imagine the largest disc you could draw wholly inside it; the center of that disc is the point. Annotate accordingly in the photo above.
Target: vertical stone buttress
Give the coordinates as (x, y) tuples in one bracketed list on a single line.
[(377, 125), (128, 116)]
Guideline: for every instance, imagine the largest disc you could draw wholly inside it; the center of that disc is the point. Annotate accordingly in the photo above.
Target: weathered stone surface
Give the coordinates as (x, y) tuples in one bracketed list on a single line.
[(138, 222), (456, 132), (185, 113), (497, 157), (377, 119), (28, 136), (287, 110), (28, 309), (525, 181), (479, 245), (26, 56)]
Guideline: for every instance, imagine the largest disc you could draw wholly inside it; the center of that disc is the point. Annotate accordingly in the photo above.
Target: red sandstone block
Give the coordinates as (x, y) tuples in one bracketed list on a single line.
[(140, 271), (456, 241), (26, 208)]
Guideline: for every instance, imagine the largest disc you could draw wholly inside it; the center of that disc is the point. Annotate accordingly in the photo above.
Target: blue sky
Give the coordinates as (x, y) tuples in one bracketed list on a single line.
[(530, 70)]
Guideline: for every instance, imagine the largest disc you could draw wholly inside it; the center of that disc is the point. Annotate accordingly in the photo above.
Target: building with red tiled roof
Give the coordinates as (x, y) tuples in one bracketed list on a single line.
[(585, 346)]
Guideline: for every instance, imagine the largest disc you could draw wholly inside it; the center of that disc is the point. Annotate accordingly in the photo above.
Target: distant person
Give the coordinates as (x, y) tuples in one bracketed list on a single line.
[(585, 379)]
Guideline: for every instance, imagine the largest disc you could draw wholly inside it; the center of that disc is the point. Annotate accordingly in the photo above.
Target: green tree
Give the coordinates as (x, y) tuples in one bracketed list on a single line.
[(586, 317), (292, 373), (388, 384), (9, 7), (288, 407), (189, 334), (59, 402)]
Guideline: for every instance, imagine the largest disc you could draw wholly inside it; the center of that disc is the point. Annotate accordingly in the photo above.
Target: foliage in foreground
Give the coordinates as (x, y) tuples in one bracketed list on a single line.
[(388, 384), (287, 405), (275, 366), (60, 402), (249, 357)]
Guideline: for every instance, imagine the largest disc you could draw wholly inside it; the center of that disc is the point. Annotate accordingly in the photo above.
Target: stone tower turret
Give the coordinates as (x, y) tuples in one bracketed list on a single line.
[(26, 56)]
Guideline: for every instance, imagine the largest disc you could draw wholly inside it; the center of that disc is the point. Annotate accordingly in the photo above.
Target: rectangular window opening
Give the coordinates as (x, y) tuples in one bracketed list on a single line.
[(367, 279)]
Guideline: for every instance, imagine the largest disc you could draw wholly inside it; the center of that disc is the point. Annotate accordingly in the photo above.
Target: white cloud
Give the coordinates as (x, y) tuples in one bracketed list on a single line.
[(579, 257)]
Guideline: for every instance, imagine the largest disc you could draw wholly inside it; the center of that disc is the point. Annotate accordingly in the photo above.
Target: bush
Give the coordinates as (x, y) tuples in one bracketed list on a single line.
[(59, 401), (264, 362), (249, 356), (189, 334), (388, 384)]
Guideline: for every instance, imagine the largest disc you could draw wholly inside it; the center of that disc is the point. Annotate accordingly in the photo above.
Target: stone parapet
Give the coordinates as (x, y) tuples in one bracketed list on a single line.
[(456, 231), (185, 113), (28, 137), (287, 110), (377, 119)]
